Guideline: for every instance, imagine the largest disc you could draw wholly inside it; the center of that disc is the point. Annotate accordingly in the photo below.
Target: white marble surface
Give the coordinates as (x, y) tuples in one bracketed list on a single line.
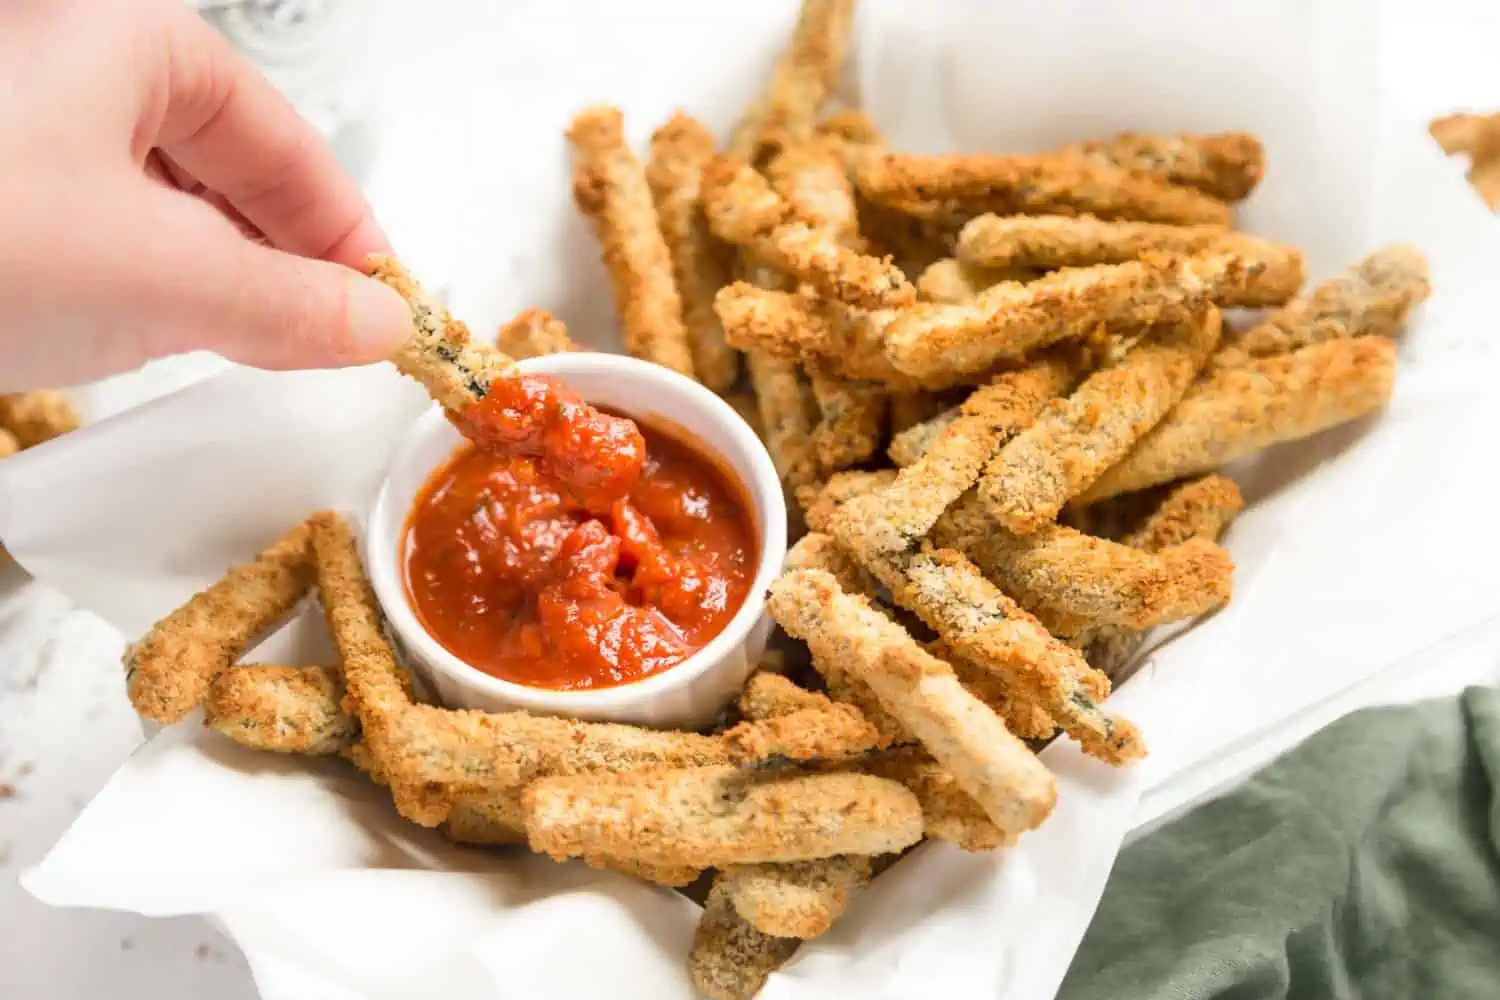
[(63, 730)]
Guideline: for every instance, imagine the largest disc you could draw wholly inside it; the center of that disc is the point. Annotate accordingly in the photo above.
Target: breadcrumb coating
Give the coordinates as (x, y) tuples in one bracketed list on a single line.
[(731, 960), (824, 733), (804, 77), (610, 189), (1239, 411), (1226, 165), (281, 709), (534, 333), (37, 417), (952, 281), (852, 413), (797, 900)]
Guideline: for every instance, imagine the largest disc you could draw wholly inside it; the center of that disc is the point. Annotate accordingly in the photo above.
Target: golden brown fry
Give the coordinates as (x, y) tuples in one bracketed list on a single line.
[(1239, 411), (784, 404), (797, 900), (804, 77), (824, 733), (168, 671), (1034, 185), (1073, 441), (1009, 320), (1022, 717), (948, 812), (811, 179), (851, 127), (282, 709), (906, 510), (731, 960), (816, 550), (1200, 508), (440, 354), (714, 816), (1012, 786), (769, 695), (743, 209), (1372, 298), (8, 443), (679, 151), (908, 447), (610, 188), (1054, 241), (532, 334), (1227, 165), (492, 821), (953, 281), (37, 417), (849, 431), (1463, 133), (819, 502), (1067, 577)]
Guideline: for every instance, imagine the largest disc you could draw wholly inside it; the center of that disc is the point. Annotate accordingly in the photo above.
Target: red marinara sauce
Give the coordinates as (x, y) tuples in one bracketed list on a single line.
[(515, 576), (596, 456)]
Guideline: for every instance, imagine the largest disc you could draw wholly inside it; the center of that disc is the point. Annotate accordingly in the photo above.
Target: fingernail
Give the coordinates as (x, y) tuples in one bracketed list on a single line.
[(379, 319)]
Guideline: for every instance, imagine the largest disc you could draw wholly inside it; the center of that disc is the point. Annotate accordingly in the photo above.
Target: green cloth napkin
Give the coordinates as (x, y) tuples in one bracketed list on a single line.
[(1364, 864)]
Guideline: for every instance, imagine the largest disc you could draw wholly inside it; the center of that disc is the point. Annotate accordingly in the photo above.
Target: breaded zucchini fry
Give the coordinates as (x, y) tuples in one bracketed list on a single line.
[(952, 281), (801, 899), (848, 432), (37, 417), (1372, 298), (1239, 411), (811, 179), (784, 400), (1035, 185), (731, 960), (533, 333), (997, 769), (1009, 320), (282, 709), (610, 188), (824, 733), (907, 447), (715, 816), (743, 209), (768, 696), (490, 821), (948, 812), (1226, 165), (1053, 241), (1073, 441), (680, 150), (167, 673)]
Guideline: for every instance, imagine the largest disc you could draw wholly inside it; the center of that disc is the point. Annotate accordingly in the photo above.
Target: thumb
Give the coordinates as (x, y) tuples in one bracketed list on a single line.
[(267, 308)]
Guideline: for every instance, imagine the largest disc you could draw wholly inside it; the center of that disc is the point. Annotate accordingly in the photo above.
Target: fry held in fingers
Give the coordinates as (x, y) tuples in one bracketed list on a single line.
[(715, 816), (1239, 411), (1371, 299), (1226, 165), (997, 769), (1048, 242), (168, 672), (610, 188), (680, 150), (1073, 441), (281, 709)]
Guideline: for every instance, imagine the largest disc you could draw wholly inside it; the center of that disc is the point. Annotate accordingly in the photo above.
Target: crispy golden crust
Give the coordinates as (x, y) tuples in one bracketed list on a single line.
[(1012, 786), (908, 446), (798, 900), (906, 510), (282, 709), (804, 77), (948, 812), (609, 187), (851, 126), (731, 960), (168, 671), (1035, 185), (848, 431), (1073, 441), (784, 404), (492, 821), (825, 733), (1072, 580), (1200, 508), (953, 281), (533, 333), (816, 550), (769, 695), (37, 417), (9, 445), (1372, 298), (811, 179), (1011, 319), (743, 209), (1053, 241), (1226, 165), (1239, 411), (440, 355), (714, 816), (1022, 717), (680, 150)]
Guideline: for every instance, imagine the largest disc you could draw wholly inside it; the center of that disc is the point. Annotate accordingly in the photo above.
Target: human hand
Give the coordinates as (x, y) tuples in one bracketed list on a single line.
[(157, 196)]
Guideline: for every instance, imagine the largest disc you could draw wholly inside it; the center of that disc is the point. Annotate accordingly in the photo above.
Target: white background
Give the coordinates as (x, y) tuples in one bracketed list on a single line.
[(63, 730)]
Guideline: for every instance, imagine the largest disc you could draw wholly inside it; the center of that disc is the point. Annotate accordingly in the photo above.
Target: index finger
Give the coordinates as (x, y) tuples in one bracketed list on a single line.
[(233, 131)]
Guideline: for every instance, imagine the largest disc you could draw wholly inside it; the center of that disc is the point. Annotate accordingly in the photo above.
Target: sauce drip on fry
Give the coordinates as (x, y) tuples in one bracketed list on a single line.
[(595, 456), (511, 573)]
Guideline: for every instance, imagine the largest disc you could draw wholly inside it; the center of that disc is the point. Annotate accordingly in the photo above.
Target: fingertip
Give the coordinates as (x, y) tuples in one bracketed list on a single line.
[(378, 321)]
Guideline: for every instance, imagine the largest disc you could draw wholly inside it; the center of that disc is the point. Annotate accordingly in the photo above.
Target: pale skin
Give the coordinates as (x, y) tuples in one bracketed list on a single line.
[(160, 196)]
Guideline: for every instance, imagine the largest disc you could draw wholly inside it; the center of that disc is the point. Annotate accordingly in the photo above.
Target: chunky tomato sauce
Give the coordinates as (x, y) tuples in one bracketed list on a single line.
[(596, 456), (511, 572)]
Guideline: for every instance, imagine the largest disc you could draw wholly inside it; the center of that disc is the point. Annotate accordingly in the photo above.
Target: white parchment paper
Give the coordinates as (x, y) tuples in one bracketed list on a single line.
[(1360, 551)]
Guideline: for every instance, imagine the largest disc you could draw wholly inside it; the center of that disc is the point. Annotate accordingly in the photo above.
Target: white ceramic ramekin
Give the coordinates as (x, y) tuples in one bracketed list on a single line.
[(686, 696)]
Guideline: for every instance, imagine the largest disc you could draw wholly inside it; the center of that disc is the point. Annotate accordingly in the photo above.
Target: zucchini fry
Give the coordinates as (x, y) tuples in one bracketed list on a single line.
[(281, 709), (1226, 165)]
